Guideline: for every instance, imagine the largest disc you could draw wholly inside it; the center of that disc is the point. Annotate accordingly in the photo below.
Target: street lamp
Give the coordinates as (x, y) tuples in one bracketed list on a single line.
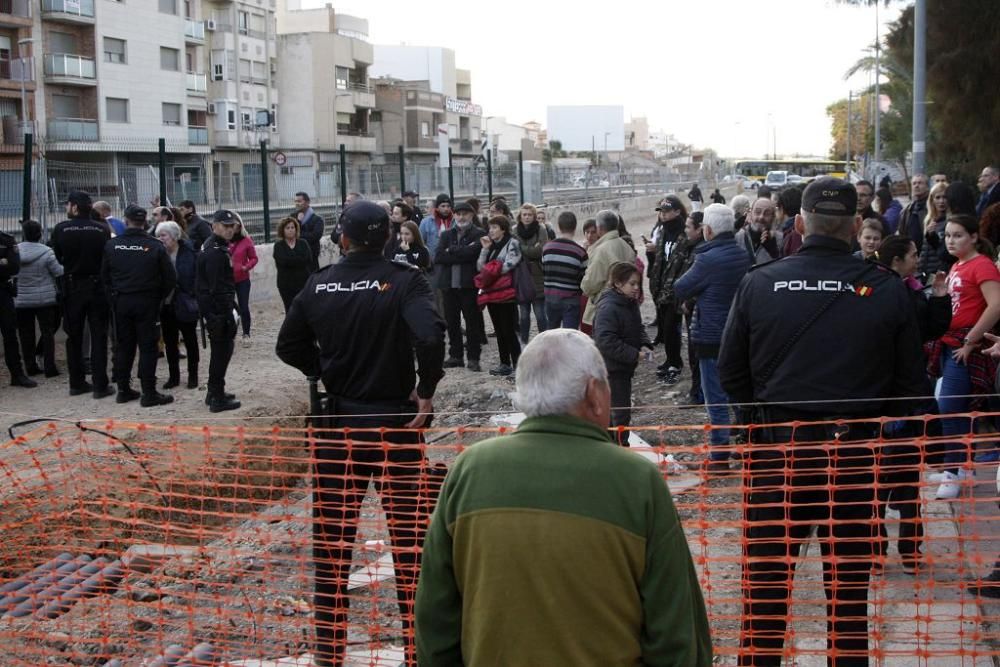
[(21, 43)]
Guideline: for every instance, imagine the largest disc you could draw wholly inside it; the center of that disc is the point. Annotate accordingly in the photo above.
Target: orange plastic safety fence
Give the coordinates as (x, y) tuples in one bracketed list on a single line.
[(141, 544)]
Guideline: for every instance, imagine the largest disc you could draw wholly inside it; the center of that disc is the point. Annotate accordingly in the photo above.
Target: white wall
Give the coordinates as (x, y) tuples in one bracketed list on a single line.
[(433, 64), (583, 128)]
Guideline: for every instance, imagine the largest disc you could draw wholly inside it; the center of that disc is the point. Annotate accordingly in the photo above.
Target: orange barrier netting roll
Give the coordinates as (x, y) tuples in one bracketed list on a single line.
[(127, 543)]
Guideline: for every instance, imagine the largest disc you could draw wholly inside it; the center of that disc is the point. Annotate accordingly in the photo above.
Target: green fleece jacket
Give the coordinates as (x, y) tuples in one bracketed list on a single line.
[(553, 546)]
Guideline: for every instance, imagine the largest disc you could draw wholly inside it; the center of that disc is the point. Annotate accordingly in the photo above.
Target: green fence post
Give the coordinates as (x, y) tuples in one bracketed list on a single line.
[(489, 175), (402, 171), (451, 177), (520, 177), (163, 171), (343, 175), (26, 191), (265, 194)]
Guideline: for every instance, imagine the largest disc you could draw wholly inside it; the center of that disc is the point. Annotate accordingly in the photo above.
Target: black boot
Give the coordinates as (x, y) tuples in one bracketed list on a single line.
[(217, 403), (153, 397), (210, 395), (172, 382), (23, 380), (193, 380), (126, 394)]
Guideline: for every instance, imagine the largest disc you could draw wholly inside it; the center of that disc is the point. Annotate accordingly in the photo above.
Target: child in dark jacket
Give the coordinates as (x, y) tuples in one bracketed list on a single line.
[(619, 335)]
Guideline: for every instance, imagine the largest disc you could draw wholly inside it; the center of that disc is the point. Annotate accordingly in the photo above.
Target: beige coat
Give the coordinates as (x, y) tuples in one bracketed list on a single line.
[(606, 251)]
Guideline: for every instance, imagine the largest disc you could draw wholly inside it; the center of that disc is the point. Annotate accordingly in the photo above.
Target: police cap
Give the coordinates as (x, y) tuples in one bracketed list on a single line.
[(224, 216), (831, 196), (135, 213), (365, 222)]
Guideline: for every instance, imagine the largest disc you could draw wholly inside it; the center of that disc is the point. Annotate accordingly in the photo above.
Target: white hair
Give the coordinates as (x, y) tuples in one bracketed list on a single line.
[(553, 371), (740, 204), (386, 205), (170, 227), (720, 218)]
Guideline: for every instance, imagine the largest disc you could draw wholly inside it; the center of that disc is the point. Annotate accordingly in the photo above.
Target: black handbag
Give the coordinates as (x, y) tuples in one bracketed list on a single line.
[(185, 307)]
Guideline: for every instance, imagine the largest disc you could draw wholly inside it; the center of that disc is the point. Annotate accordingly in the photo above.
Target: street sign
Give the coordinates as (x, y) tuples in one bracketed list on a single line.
[(280, 159)]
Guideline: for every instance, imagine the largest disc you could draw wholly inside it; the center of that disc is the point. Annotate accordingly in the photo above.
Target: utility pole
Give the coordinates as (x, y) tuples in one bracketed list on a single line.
[(919, 86), (847, 152), (878, 96)]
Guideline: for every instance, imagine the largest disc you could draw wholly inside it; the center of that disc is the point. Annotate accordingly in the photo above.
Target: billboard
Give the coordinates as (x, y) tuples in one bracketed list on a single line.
[(582, 128)]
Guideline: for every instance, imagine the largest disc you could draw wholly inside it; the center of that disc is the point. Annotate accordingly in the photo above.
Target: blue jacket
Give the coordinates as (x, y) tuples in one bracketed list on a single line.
[(718, 268)]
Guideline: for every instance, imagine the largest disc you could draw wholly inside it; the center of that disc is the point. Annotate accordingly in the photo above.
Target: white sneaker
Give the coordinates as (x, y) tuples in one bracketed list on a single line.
[(944, 475), (246, 340), (951, 486)]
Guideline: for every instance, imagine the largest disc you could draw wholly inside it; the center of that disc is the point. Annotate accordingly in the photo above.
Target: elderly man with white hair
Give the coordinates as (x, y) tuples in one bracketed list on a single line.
[(553, 546), (741, 206), (719, 266)]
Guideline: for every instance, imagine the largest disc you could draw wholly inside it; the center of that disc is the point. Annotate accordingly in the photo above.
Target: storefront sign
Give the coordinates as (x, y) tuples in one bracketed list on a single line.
[(462, 107)]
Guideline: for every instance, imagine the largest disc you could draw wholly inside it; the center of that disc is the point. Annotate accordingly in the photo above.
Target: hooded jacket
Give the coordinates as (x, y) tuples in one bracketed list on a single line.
[(719, 266), (36, 282), (618, 331)]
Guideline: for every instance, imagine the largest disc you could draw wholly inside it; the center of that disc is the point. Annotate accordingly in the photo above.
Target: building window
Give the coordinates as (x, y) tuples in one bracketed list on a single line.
[(425, 129), (116, 110), (168, 6), (246, 118), (343, 121), (375, 117), (114, 50), (170, 59), (244, 70), (231, 119), (342, 77), (171, 113), (274, 117), (243, 22), (218, 59)]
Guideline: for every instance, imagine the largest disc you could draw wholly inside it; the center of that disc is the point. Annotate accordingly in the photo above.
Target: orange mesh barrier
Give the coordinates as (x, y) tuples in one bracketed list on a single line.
[(145, 544)]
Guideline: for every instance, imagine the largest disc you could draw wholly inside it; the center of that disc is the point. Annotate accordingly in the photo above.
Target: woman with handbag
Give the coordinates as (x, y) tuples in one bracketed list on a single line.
[(530, 280), (179, 314), (500, 256)]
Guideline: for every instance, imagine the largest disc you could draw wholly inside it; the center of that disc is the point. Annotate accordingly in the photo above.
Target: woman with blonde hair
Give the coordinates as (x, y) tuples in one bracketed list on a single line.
[(244, 256), (933, 253), (532, 236)]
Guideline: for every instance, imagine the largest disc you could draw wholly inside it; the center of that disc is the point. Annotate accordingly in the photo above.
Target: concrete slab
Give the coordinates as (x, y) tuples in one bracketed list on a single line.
[(145, 558), (382, 656), (374, 572)]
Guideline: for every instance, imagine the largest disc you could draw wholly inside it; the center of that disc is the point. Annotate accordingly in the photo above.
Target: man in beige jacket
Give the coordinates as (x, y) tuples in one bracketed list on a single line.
[(605, 253)]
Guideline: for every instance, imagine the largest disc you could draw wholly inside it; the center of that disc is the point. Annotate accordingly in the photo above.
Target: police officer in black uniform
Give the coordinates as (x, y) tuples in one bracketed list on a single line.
[(138, 275), (815, 337), (369, 316), (79, 246), (10, 264), (217, 300)]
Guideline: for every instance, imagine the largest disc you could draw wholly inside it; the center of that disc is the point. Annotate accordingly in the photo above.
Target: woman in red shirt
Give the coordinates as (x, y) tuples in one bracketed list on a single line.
[(244, 256), (974, 287)]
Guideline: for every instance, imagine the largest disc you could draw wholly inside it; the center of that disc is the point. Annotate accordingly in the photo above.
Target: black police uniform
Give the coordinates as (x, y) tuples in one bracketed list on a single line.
[(79, 246), (138, 274), (368, 315), (805, 333), (216, 293), (10, 264)]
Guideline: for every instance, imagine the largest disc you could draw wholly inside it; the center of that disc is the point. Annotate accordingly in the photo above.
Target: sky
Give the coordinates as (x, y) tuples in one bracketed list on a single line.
[(739, 76)]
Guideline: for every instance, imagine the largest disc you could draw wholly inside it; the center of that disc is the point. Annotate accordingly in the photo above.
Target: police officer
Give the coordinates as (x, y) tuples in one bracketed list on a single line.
[(138, 275), (369, 316), (10, 264), (79, 246), (217, 300), (815, 337)]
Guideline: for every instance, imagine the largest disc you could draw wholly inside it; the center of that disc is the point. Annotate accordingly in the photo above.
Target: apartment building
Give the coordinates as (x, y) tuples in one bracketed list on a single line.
[(323, 62)]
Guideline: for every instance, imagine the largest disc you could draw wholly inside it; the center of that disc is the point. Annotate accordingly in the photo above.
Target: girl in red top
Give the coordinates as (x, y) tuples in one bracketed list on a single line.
[(974, 287), (244, 259)]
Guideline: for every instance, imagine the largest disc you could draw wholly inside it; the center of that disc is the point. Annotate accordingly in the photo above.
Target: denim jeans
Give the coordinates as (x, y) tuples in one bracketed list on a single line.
[(538, 305), (562, 312), (955, 386), (717, 404)]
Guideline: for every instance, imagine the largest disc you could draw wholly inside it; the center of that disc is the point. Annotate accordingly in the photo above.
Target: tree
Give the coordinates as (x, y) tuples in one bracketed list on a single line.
[(553, 151), (862, 140)]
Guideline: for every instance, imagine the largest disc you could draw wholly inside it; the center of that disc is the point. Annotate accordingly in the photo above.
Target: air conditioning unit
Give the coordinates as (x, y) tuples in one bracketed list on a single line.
[(210, 25), (211, 108)]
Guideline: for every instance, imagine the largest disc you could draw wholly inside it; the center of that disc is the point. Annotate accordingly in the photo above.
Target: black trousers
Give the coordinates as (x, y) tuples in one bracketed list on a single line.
[(693, 364), (86, 304), (172, 330), (136, 320), (899, 488), (344, 465), (504, 318), (670, 334), (46, 317), (460, 304), (621, 402), (8, 329), (221, 341), (792, 488)]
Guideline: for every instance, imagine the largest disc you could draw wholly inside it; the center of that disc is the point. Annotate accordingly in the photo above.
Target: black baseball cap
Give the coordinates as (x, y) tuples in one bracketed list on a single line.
[(670, 204), (365, 222), (411, 193), (463, 206), (224, 216), (80, 198), (442, 199), (135, 213), (830, 195)]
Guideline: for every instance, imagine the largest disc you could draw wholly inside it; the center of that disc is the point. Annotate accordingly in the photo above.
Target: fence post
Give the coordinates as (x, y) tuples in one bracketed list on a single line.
[(264, 187), (402, 171), (520, 177), (26, 191), (163, 171), (451, 177), (489, 176), (343, 175)]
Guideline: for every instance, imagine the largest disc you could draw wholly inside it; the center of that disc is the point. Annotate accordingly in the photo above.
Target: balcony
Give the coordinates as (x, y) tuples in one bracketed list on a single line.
[(15, 13), (197, 136), (197, 84), (356, 141), (70, 70), (72, 129), (78, 12), (194, 32), (17, 70)]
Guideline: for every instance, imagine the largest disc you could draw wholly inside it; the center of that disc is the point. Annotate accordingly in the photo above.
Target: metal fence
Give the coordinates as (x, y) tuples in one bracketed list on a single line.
[(261, 183)]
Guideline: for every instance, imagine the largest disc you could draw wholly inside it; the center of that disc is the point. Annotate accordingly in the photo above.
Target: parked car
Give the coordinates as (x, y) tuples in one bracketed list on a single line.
[(776, 180)]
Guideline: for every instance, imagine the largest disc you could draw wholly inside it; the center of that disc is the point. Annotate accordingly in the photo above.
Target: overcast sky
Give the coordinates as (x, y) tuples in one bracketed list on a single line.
[(711, 72)]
